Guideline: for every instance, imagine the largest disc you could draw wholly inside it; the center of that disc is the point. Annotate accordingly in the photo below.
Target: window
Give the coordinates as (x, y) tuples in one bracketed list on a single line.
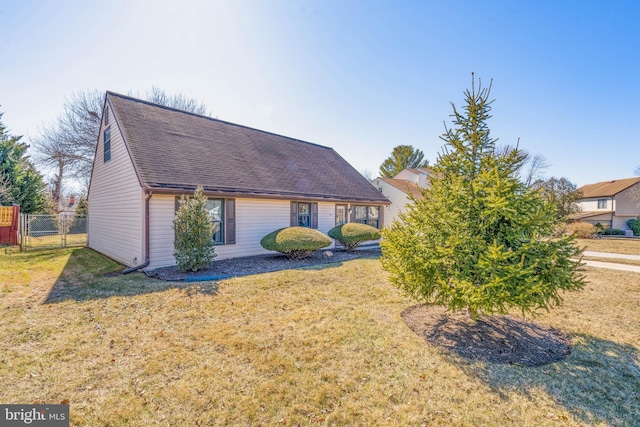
[(223, 217), (369, 215), (107, 144), (304, 214), (602, 203), (216, 212), (341, 214), (106, 116)]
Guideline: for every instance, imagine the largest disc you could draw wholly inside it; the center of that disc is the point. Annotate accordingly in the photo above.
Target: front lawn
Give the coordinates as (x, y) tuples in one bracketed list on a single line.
[(318, 346), (614, 245)]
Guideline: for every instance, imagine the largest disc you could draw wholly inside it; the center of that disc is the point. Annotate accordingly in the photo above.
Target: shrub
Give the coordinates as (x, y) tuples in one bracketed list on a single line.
[(582, 230), (634, 224), (478, 240), (295, 242), (613, 232), (352, 234), (194, 245)]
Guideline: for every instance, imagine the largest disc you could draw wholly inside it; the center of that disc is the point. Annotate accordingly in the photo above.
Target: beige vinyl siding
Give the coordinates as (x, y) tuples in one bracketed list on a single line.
[(255, 218), (591, 205), (116, 203), (628, 202), (326, 216)]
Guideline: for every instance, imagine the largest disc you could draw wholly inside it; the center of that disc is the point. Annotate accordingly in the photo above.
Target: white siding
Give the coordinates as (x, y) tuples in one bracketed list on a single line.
[(591, 205), (116, 203), (255, 218), (407, 175), (399, 201)]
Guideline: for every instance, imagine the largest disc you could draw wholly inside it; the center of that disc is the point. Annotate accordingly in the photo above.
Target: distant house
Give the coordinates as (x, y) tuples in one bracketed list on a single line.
[(400, 188), (149, 155), (610, 203)]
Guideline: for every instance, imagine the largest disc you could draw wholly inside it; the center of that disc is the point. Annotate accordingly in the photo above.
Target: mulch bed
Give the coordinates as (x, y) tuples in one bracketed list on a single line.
[(494, 339), (261, 264)]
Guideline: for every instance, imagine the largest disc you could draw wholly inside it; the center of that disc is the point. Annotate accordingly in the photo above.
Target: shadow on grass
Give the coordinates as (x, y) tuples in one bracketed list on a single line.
[(88, 275), (599, 382)]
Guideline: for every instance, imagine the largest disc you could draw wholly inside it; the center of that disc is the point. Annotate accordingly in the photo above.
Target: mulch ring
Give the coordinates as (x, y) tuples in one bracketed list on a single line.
[(494, 339), (234, 267)]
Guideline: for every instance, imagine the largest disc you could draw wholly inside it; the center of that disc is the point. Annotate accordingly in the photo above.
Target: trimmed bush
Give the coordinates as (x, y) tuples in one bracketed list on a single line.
[(194, 245), (634, 224), (295, 242), (352, 234), (582, 230), (613, 232)]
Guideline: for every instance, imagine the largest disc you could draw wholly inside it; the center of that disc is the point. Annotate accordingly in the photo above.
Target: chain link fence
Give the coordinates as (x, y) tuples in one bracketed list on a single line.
[(52, 231)]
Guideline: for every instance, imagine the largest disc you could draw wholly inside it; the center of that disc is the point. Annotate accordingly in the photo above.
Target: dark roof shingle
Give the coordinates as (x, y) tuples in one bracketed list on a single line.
[(176, 150)]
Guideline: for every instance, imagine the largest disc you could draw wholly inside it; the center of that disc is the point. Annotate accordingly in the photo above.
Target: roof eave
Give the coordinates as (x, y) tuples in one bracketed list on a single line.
[(231, 192)]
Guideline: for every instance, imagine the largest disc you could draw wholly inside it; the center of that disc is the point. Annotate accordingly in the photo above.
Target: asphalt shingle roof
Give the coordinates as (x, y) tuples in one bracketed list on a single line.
[(607, 188), (176, 150), (404, 186)]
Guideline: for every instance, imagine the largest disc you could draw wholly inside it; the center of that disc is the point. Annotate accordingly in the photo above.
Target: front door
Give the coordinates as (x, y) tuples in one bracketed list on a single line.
[(341, 214)]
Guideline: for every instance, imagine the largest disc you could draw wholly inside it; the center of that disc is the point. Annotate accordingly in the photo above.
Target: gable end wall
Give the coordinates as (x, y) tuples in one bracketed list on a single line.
[(116, 202)]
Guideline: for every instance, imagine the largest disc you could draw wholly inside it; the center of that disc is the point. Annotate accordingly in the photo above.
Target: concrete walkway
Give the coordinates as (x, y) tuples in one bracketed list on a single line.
[(611, 265), (611, 255)]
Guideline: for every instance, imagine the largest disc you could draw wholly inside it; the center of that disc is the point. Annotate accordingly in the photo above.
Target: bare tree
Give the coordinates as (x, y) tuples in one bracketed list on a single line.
[(367, 174), (66, 148), (179, 101), (563, 193), (536, 166)]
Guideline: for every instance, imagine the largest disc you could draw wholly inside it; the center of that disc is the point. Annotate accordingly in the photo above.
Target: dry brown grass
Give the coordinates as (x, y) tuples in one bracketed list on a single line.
[(320, 346), (620, 246)]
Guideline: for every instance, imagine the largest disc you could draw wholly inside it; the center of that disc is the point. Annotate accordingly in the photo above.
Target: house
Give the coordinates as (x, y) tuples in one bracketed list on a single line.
[(148, 155), (610, 203), (401, 188)]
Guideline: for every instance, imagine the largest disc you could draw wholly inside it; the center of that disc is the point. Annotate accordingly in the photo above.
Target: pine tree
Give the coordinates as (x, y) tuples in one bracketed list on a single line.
[(402, 157), (194, 245), (479, 240), (20, 183)]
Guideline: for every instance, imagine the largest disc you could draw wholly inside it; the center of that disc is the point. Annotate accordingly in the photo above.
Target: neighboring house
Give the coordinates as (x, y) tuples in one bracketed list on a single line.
[(67, 205), (149, 155), (610, 203), (400, 188)]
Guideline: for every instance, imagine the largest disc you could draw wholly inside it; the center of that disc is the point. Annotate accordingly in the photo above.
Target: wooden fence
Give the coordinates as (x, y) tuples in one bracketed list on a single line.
[(9, 225)]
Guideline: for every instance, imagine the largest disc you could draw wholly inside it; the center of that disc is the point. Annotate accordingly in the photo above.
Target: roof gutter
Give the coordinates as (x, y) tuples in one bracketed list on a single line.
[(253, 195), (147, 258)]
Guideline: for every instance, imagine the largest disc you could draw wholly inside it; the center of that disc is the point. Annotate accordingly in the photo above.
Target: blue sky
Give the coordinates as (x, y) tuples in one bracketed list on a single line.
[(359, 76)]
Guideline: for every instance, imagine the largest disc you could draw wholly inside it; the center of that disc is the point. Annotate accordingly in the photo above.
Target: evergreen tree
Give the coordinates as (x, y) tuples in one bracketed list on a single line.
[(194, 245), (479, 240), (83, 206), (20, 183), (402, 157)]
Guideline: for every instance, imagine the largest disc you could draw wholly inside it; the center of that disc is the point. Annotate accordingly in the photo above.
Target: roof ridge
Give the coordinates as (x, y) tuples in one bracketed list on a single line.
[(177, 110)]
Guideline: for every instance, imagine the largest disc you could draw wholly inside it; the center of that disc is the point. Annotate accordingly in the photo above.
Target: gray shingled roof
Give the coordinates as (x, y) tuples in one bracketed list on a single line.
[(176, 150)]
